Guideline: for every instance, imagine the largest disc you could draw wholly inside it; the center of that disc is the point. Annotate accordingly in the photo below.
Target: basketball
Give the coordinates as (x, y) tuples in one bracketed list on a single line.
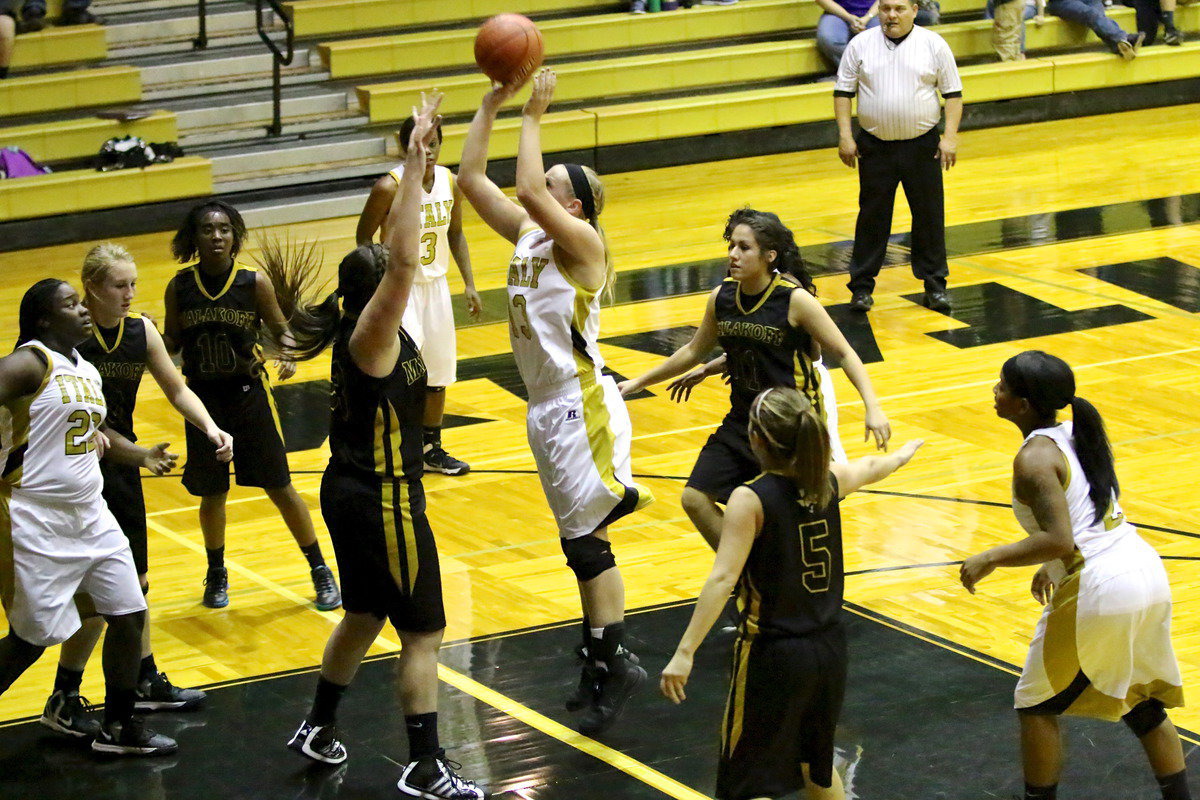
[(508, 48)]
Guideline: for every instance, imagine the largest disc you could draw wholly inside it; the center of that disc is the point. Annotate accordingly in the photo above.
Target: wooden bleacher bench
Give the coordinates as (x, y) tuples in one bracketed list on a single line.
[(74, 89), (320, 17), (74, 44), (62, 140), (88, 190)]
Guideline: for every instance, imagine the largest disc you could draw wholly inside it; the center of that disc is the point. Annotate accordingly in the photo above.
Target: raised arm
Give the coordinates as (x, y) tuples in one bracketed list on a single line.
[(462, 253), (576, 238), (686, 357), (501, 214), (1039, 472), (376, 209), (180, 396), (805, 311), (864, 471), (374, 345), (743, 521)]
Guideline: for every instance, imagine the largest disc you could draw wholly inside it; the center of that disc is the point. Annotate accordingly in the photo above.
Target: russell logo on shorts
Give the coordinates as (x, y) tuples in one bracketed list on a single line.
[(573, 414)]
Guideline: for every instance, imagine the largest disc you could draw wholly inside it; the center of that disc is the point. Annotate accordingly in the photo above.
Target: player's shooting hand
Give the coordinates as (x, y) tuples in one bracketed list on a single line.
[(680, 389), (1042, 587), (877, 425), (543, 93), (975, 569), (500, 94), (223, 442), (675, 677), (474, 302), (158, 460), (285, 368), (848, 151)]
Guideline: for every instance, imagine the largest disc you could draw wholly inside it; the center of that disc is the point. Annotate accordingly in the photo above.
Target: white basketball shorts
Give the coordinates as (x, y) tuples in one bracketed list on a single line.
[(429, 320)]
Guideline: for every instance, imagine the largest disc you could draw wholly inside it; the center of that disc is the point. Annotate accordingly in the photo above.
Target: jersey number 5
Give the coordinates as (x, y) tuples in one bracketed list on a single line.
[(818, 561), (79, 435), (518, 317)]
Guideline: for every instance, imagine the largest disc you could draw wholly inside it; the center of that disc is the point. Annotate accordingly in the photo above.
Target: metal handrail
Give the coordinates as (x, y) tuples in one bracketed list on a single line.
[(281, 58), (201, 40)]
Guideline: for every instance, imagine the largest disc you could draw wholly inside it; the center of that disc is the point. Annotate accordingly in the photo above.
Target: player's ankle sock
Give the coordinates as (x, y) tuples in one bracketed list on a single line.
[(216, 557), (313, 553), (432, 436), (118, 705), (68, 680), (1168, 19), (1041, 792), (325, 702), (422, 735), (1174, 787), (148, 669)]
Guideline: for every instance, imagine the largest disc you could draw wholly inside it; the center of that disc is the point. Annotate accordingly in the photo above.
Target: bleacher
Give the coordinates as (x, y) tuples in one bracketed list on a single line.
[(711, 74)]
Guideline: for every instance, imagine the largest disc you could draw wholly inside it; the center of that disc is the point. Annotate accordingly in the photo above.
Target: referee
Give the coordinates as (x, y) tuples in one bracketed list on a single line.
[(897, 71)]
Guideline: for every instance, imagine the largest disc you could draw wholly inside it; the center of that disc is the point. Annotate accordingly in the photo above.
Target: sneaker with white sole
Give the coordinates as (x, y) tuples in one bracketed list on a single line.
[(318, 742), (328, 596), (66, 712), (438, 460), (434, 778), (131, 738), (159, 694)]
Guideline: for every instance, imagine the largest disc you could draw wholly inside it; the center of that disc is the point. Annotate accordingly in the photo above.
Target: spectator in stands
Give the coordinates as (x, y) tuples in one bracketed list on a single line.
[(845, 19), (1091, 13), (1008, 28), (33, 14), (1152, 12), (8, 32)]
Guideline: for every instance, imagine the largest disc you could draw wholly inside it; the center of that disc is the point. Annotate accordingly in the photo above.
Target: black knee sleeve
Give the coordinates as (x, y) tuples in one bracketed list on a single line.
[(1145, 717), (588, 556), (435, 388), (26, 651), (145, 588)]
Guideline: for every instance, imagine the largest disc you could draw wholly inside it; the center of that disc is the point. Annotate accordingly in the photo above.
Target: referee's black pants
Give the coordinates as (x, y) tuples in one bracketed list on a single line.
[(882, 165)]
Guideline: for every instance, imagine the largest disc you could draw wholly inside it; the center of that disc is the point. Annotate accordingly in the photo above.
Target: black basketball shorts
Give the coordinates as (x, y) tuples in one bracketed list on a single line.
[(123, 494), (244, 408), (386, 555), (725, 462), (785, 697)]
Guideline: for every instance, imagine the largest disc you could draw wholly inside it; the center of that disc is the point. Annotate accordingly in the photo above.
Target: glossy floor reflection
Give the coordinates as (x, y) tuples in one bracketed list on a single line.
[(920, 722)]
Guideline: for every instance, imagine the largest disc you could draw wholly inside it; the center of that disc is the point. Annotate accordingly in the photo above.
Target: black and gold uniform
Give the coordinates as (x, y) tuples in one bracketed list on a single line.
[(763, 350), (372, 498), (119, 355), (218, 335), (790, 660)]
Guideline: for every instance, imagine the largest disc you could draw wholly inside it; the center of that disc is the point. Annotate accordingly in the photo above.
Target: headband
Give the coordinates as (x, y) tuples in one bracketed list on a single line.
[(582, 189)]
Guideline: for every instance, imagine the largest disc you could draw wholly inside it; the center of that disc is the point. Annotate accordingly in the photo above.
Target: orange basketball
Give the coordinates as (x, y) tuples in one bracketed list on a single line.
[(508, 48)]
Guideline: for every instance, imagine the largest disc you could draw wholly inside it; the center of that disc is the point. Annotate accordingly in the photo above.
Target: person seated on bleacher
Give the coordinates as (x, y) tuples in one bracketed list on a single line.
[(1091, 13), (33, 14), (845, 19), (1152, 12), (1008, 25)]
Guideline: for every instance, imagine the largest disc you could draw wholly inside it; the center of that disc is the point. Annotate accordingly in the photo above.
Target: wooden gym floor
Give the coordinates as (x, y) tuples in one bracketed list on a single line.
[(1080, 237)]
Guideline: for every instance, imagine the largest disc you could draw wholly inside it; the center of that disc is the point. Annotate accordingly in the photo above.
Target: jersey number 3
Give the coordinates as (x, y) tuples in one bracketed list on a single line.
[(518, 318), (818, 561), (428, 248)]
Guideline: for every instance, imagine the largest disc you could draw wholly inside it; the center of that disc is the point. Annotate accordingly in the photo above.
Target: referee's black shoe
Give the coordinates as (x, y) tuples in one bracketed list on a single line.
[(616, 687), (937, 301), (216, 588), (434, 778), (861, 302)]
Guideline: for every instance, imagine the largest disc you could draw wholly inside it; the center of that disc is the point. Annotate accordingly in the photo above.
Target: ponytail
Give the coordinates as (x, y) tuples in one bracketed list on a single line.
[(1095, 455), (314, 328), (294, 270), (796, 441)]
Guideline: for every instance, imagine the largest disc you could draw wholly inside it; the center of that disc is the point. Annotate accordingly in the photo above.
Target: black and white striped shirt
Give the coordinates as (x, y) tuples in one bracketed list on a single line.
[(898, 83)]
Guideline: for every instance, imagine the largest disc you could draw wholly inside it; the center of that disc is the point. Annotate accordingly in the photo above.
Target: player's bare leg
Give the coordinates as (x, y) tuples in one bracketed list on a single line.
[(704, 513), (298, 519)]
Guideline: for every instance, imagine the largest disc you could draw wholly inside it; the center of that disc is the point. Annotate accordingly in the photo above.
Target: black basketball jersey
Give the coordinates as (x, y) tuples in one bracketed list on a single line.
[(793, 581), (764, 350), (119, 355), (375, 424), (218, 323)]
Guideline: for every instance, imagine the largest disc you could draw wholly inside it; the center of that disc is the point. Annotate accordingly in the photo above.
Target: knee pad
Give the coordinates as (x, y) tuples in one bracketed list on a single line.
[(24, 650), (588, 556), (1145, 717)]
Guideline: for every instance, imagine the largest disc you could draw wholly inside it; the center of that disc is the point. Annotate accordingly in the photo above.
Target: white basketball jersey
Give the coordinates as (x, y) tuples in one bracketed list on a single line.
[(436, 206), (48, 436), (553, 321), (1091, 537)]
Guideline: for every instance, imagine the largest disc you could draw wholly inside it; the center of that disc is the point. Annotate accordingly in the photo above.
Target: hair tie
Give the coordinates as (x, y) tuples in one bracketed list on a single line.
[(583, 189)]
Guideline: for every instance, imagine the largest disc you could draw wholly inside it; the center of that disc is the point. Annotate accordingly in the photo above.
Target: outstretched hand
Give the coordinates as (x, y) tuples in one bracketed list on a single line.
[(680, 389), (543, 93), (427, 120), (158, 460)]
